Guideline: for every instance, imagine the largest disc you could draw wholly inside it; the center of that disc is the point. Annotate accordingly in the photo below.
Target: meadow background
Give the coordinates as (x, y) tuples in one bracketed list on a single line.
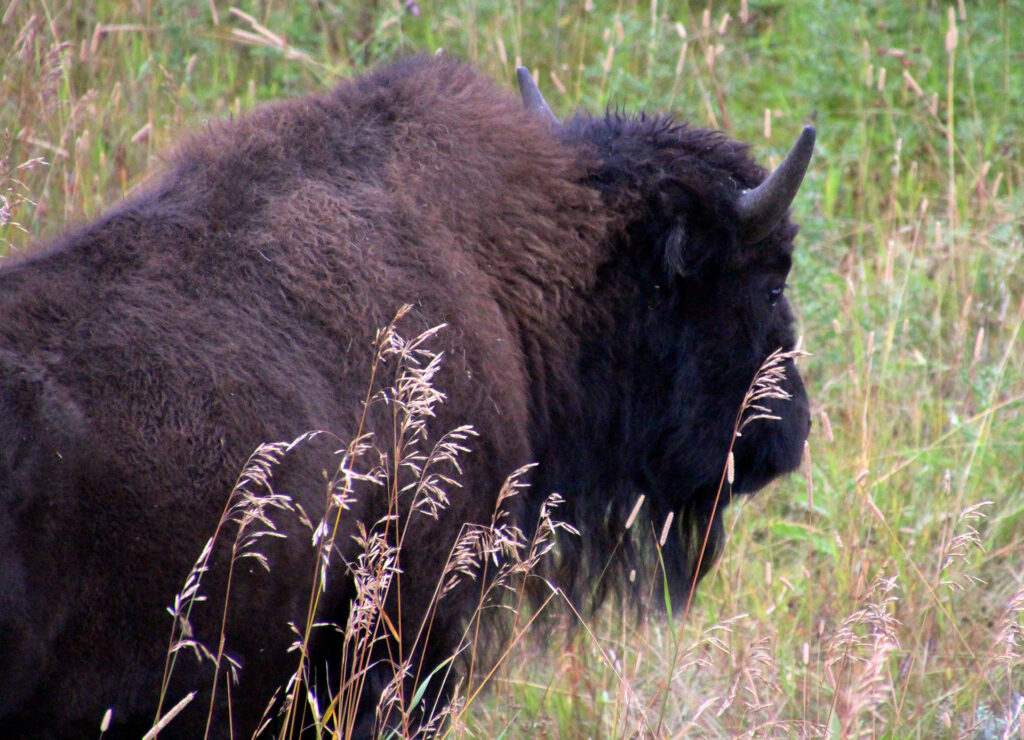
[(880, 592)]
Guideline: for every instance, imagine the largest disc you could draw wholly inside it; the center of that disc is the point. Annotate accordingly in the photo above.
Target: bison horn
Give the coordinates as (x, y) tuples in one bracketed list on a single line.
[(760, 209), (533, 101)]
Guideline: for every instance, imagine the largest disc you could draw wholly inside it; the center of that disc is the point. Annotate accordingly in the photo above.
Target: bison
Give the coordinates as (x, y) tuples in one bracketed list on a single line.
[(611, 285)]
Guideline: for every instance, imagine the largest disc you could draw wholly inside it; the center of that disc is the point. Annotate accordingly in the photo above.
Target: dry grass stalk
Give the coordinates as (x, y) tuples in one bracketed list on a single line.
[(765, 386), (249, 507), (416, 479), (858, 657)]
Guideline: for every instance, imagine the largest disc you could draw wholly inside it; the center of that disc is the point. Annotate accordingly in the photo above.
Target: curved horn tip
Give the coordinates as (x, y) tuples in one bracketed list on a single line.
[(806, 140), (760, 209), (522, 77)]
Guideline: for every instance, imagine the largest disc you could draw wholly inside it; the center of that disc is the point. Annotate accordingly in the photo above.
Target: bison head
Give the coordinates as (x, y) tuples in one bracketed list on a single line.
[(688, 306)]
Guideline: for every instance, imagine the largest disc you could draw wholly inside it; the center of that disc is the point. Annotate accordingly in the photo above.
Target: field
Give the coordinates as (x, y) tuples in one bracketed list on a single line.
[(880, 593)]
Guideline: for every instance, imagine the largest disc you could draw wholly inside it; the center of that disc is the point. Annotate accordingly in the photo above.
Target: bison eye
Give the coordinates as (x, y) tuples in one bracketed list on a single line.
[(774, 294)]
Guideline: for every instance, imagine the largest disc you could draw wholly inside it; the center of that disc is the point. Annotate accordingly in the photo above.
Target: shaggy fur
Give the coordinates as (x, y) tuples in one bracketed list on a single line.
[(604, 319)]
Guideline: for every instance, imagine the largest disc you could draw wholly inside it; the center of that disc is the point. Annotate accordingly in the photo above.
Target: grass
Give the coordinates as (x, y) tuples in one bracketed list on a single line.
[(876, 595)]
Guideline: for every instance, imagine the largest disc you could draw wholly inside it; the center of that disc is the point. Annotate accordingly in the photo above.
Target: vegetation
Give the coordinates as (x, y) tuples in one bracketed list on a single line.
[(880, 594)]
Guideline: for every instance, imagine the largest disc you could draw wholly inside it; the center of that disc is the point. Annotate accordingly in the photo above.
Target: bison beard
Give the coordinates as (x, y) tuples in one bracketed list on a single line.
[(611, 286)]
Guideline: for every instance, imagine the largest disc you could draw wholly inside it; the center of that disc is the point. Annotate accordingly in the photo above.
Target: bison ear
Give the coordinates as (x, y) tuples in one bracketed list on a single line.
[(682, 245), (759, 210), (677, 260), (686, 251), (533, 101)]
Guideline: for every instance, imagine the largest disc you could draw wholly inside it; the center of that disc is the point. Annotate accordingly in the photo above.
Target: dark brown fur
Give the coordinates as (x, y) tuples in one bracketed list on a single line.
[(603, 323)]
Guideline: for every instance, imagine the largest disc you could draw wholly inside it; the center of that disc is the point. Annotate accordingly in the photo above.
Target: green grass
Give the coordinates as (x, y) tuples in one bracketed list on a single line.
[(909, 281)]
